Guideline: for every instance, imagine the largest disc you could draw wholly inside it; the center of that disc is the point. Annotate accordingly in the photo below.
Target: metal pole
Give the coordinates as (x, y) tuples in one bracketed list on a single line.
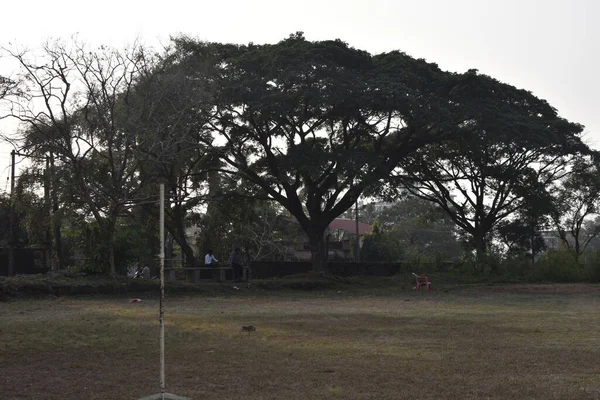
[(162, 290), (162, 395), (11, 237), (357, 234)]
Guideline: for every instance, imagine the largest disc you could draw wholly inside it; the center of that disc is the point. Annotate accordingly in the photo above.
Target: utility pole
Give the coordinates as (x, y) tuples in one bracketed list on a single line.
[(11, 237), (357, 234)]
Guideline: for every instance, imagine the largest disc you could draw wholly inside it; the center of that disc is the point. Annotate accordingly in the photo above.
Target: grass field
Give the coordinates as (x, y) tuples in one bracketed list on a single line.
[(498, 342)]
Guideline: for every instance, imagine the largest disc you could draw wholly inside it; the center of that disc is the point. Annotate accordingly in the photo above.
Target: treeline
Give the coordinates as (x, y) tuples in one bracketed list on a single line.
[(244, 136)]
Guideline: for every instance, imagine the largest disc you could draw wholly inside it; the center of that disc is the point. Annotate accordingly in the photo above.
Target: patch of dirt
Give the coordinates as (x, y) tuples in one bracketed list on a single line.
[(547, 288)]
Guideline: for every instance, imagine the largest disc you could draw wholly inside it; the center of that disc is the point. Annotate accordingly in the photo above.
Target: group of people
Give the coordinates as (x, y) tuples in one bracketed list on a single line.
[(238, 260)]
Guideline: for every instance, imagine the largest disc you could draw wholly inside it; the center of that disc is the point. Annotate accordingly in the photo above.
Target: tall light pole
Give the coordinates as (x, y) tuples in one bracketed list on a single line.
[(162, 395)]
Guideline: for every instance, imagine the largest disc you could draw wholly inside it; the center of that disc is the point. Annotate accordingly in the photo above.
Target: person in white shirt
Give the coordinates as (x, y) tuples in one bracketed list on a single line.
[(211, 261), (210, 258)]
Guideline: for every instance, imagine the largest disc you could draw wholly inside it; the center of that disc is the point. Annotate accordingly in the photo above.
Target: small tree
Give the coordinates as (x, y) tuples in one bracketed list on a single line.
[(381, 245), (577, 203)]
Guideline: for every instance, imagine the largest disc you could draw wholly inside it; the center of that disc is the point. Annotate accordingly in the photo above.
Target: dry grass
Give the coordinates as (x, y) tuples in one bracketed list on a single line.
[(460, 344)]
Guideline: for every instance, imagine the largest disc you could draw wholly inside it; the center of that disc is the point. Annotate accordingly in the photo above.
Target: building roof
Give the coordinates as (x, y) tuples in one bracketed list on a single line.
[(349, 225)]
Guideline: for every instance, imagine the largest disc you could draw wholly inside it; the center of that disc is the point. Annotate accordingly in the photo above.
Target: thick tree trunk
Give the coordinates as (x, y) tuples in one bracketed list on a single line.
[(111, 259), (480, 245), (112, 223), (318, 248), (111, 250), (57, 243), (577, 247), (188, 252), (179, 235), (532, 238), (190, 258)]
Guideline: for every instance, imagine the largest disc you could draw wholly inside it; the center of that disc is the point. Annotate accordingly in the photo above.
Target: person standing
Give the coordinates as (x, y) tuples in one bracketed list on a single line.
[(235, 260)]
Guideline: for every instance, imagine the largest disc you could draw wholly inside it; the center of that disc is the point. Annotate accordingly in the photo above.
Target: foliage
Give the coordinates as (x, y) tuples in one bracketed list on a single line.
[(591, 266), (7, 86), (558, 265), (21, 234), (171, 107), (507, 142), (424, 228), (84, 124), (313, 124), (494, 266), (520, 238), (33, 211), (309, 126), (381, 245), (576, 203)]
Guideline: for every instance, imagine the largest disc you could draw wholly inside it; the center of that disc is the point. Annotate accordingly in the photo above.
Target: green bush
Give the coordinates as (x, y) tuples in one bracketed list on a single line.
[(493, 267), (591, 269), (486, 265), (558, 266), (381, 246), (516, 268)]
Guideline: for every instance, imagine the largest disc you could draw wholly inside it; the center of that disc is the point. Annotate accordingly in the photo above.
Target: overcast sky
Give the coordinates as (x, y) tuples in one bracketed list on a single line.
[(550, 47)]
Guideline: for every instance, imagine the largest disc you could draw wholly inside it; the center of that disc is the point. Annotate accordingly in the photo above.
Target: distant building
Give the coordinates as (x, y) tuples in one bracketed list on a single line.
[(337, 250), (349, 225), (381, 205), (553, 241)]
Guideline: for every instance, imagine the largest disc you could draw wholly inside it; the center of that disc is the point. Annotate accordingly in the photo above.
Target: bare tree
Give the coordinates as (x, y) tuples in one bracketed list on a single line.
[(172, 104), (268, 232), (7, 86), (75, 104)]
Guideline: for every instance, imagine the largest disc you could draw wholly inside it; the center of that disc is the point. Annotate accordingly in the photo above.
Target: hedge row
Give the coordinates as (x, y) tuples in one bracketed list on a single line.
[(278, 269)]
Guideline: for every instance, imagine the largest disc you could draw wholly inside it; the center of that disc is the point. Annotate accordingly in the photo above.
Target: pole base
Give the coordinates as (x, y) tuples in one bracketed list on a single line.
[(161, 396)]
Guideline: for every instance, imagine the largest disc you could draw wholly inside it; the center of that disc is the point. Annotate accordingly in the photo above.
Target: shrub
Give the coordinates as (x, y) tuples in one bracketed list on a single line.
[(558, 266), (517, 268), (591, 269), (381, 246)]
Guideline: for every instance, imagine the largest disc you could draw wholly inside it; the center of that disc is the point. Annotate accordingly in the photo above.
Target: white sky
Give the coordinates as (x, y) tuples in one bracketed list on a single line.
[(550, 47)]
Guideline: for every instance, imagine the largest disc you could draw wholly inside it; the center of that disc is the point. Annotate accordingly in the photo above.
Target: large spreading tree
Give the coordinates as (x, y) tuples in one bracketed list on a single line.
[(314, 124), (509, 145)]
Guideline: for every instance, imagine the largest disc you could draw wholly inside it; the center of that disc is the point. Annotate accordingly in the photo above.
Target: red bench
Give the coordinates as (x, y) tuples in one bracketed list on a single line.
[(422, 281)]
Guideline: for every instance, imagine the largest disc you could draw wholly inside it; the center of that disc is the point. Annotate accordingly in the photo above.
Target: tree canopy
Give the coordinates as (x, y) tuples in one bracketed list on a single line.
[(310, 125), (314, 124), (508, 143)]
